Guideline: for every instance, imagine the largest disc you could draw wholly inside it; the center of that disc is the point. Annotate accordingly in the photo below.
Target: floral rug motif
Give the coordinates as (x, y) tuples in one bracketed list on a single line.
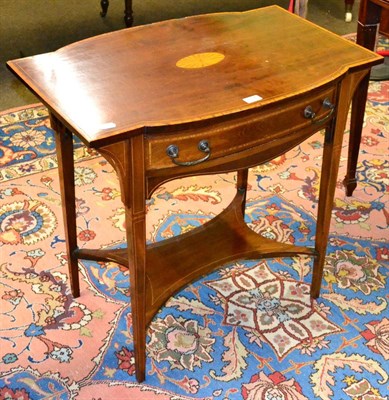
[(246, 331), (280, 311)]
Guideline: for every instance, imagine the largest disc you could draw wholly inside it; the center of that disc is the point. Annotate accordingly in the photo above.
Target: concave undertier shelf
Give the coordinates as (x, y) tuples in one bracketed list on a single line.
[(171, 264)]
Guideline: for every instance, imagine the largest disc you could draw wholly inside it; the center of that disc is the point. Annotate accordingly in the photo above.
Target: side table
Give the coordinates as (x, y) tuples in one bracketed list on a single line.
[(200, 95)]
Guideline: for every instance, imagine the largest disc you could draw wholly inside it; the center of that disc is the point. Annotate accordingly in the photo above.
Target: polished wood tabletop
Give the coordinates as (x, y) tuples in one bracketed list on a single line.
[(126, 80), (206, 94)]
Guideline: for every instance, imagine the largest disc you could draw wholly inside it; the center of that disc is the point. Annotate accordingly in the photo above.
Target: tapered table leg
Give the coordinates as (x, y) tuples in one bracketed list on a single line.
[(64, 146), (331, 157), (137, 265), (135, 206), (329, 172), (368, 20)]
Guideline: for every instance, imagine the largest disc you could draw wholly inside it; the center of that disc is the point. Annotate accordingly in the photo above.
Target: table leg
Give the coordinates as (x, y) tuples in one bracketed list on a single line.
[(329, 173), (135, 222), (241, 185), (368, 21), (330, 165), (127, 158), (135, 206), (104, 7), (64, 146), (128, 17), (356, 124)]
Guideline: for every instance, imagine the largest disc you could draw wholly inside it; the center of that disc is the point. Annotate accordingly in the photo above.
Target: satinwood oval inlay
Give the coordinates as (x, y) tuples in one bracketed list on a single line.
[(200, 60)]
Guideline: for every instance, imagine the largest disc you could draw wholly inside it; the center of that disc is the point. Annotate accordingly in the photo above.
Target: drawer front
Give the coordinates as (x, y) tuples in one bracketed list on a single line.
[(206, 144)]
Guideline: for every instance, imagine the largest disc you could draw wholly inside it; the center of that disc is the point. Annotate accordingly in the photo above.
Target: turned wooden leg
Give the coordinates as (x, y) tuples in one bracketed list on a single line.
[(128, 17), (104, 7), (64, 146)]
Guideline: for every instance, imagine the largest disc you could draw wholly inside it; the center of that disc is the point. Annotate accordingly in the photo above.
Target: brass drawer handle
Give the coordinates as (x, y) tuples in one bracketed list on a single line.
[(310, 114), (173, 152)]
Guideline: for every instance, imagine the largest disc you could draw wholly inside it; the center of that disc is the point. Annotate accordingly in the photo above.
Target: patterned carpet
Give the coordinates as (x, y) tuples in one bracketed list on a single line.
[(247, 331)]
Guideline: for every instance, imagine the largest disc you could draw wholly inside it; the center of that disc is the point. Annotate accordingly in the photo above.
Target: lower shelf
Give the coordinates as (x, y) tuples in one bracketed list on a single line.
[(174, 263)]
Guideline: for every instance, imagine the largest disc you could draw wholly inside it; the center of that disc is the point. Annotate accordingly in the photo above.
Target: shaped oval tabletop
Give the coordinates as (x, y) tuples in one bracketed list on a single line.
[(185, 70)]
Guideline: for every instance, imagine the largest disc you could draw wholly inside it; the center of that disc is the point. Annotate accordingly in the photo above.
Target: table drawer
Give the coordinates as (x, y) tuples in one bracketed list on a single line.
[(203, 144)]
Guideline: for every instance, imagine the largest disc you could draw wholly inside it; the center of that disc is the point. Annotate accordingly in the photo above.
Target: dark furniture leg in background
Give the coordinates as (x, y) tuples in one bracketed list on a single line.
[(348, 6), (128, 18), (368, 22), (104, 7)]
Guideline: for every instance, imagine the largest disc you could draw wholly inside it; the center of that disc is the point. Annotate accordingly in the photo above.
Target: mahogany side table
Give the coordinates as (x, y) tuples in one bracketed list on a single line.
[(200, 95)]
